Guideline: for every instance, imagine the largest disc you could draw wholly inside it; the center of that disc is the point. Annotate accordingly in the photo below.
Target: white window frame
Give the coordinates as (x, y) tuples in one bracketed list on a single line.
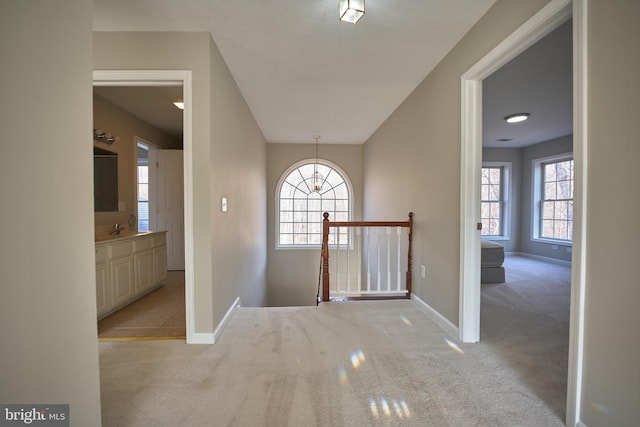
[(536, 203), (281, 181), (505, 205)]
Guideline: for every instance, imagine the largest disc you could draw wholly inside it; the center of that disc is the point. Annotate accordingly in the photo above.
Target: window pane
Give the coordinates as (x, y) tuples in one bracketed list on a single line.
[(301, 208)]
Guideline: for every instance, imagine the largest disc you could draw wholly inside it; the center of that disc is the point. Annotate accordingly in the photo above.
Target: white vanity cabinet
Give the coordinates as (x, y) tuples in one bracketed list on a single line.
[(103, 296), (128, 267)]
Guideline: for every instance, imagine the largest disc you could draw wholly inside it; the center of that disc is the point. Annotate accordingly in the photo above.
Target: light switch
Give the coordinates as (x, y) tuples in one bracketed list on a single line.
[(423, 271), (224, 204)]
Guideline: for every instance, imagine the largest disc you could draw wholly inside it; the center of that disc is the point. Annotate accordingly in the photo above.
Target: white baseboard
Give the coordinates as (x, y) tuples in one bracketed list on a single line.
[(225, 320), (442, 321), (211, 338), (200, 338), (580, 424)]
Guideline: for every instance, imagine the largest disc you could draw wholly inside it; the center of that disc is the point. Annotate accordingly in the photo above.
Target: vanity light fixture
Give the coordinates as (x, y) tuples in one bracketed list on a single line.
[(350, 10), (179, 103), (101, 136), (516, 118)]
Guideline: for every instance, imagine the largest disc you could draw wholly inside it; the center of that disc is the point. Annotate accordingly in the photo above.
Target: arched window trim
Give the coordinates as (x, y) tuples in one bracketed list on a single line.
[(281, 181)]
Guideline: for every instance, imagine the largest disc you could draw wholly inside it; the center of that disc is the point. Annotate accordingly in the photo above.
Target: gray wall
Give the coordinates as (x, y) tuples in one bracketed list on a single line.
[(521, 195), (49, 351), (413, 162), (293, 273), (529, 154), (611, 382), (230, 247), (514, 156)]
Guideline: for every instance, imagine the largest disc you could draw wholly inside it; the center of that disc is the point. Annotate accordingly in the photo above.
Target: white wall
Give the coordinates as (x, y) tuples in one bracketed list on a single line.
[(293, 273), (49, 350)]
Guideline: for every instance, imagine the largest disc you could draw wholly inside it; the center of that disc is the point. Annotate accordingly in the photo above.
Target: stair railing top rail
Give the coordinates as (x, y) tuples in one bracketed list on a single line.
[(326, 225)]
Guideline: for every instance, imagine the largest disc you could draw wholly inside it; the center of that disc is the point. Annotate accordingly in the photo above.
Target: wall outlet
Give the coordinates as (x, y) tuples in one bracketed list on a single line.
[(423, 271)]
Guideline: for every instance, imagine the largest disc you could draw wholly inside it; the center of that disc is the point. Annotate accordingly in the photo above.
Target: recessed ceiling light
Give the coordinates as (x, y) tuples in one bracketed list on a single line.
[(518, 117), (179, 103)]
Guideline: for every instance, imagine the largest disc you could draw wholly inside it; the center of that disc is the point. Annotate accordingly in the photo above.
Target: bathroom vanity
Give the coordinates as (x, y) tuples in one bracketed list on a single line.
[(128, 266)]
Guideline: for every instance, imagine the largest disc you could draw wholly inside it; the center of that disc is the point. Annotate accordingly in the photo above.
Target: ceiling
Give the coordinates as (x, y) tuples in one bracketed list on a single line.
[(303, 73)]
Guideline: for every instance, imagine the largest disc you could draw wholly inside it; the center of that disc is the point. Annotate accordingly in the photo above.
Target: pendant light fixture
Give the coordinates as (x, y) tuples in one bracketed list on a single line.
[(350, 10), (317, 176)]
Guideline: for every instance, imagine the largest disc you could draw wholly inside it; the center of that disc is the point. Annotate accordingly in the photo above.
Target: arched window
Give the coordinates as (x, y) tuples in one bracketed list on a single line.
[(303, 195)]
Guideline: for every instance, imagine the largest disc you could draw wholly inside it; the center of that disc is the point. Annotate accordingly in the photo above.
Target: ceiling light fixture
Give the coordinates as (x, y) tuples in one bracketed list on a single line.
[(350, 10), (317, 176), (516, 118), (179, 103)]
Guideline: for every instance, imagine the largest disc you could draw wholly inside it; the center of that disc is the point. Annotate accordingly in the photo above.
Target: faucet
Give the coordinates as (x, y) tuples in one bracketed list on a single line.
[(117, 228)]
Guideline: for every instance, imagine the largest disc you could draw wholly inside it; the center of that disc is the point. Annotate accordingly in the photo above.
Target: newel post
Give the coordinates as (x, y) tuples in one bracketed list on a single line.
[(325, 257), (409, 261)]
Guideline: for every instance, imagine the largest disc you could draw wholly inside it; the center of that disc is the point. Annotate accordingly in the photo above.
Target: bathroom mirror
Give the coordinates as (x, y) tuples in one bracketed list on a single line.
[(105, 180)]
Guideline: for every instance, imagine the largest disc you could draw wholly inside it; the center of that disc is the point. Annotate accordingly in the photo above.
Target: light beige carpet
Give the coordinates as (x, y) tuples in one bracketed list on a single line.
[(339, 364)]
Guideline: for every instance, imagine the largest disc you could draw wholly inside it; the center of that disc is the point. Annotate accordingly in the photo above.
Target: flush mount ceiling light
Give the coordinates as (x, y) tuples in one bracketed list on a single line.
[(179, 103), (350, 10), (516, 118)]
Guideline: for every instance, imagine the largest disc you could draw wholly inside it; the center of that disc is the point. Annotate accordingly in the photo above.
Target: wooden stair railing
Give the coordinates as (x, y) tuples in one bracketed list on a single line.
[(326, 227)]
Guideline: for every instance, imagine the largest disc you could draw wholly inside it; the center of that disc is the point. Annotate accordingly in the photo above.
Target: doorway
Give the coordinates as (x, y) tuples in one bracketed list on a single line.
[(170, 78), (548, 18)]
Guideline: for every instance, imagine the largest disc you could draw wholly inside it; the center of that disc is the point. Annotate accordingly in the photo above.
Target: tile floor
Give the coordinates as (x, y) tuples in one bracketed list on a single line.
[(158, 315)]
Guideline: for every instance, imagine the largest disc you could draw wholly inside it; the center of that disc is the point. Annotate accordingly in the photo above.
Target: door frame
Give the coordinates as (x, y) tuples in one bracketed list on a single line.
[(170, 78), (547, 19)]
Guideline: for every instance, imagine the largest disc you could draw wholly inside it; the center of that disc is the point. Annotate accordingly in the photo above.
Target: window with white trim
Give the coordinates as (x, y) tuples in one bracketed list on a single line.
[(300, 203), (553, 212), (494, 199)]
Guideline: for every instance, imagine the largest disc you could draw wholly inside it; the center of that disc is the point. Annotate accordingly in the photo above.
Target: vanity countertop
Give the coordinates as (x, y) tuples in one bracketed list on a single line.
[(123, 235)]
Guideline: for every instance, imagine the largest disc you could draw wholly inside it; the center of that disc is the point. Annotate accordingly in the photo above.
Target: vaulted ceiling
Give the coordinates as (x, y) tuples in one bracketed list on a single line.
[(303, 73)]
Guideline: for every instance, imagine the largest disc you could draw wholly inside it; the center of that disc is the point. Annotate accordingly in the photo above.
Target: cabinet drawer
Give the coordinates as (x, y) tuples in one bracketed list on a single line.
[(159, 239), (141, 244), (121, 249), (101, 254)]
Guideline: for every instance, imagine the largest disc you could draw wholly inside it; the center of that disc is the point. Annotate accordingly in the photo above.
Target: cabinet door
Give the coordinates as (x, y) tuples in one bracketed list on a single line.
[(121, 272), (159, 263), (103, 299), (143, 271)]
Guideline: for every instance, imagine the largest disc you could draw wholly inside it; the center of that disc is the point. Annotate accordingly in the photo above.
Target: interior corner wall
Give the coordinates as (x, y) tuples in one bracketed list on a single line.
[(49, 348), (116, 121), (177, 51), (611, 372), (412, 162), (292, 274)]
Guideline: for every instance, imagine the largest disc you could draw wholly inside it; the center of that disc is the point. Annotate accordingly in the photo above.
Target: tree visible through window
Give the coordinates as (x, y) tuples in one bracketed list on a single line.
[(300, 207), (491, 201), (557, 200)]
